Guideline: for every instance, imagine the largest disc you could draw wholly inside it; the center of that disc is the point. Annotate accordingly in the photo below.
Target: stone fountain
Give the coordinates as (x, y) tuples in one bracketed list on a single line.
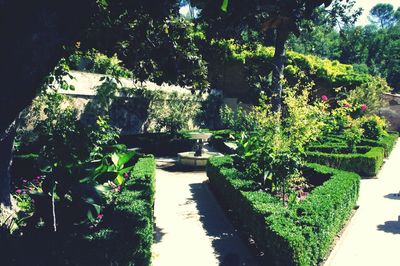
[(197, 158)]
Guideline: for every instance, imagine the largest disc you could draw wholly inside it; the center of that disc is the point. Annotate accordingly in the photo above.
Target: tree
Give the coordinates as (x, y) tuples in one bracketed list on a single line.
[(383, 14), (148, 35), (35, 33), (279, 17)]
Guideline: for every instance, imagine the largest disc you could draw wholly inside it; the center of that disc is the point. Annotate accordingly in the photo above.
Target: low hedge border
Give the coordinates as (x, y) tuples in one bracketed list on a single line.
[(301, 234), (387, 142), (124, 236), (365, 164), (127, 235)]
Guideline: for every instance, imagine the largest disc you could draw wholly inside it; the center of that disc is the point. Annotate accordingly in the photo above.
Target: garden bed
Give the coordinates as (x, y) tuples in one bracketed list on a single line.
[(123, 237), (387, 142), (300, 234)]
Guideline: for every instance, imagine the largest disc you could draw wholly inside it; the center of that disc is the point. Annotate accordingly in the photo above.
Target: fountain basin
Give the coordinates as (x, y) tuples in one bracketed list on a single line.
[(188, 158)]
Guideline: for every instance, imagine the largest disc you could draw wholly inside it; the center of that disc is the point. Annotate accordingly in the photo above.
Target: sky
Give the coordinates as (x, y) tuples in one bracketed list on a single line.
[(368, 4)]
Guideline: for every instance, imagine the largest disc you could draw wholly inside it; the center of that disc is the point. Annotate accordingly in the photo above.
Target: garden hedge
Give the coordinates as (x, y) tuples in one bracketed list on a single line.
[(387, 142), (366, 163), (128, 233), (124, 236), (301, 234)]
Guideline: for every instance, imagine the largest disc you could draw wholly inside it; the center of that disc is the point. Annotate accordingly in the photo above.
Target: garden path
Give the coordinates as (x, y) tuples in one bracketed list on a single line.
[(191, 228), (372, 237)]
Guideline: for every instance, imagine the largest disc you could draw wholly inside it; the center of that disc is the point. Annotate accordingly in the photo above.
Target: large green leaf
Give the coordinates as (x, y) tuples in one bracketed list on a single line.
[(125, 157), (119, 159), (224, 6), (115, 159), (119, 180)]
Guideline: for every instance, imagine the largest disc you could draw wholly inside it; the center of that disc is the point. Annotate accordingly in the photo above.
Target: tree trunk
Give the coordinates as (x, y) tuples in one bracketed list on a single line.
[(34, 33), (277, 68), (6, 145)]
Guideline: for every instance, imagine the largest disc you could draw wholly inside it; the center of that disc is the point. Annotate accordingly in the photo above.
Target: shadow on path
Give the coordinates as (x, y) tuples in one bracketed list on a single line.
[(395, 196), (158, 233), (230, 249), (392, 227)]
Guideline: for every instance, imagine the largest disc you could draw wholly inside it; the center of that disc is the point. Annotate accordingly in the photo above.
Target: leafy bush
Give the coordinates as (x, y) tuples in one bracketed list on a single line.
[(369, 93), (96, 62), (238, 120), (273, 152), (175, 113), (123, 234), (301, 234), (373, 126)]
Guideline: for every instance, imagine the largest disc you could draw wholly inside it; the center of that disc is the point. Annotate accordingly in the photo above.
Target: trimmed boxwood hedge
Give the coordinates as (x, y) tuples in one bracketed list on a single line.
[(127, 235), (386, 142), (301, 234), (365, 164)]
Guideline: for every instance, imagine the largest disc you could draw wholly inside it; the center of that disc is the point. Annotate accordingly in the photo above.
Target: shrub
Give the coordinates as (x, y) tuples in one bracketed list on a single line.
[(96, 62), (236, 120), (127, 235), (273, 152), (374, 127), (123, 236), (300, 234)]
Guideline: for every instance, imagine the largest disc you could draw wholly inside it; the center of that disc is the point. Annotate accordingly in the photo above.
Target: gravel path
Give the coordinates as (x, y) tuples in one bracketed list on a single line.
[(373, 235), (191, 228)]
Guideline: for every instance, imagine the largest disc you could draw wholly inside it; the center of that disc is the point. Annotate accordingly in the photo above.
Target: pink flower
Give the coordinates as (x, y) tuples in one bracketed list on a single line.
[(119, 188), (18, 191), (324, 98), (100, 216), (363, 107), (24, 181), (126, 175), (346, 105)]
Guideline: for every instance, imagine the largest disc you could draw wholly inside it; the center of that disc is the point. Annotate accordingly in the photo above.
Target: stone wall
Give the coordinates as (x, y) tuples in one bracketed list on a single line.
[(392, 111)]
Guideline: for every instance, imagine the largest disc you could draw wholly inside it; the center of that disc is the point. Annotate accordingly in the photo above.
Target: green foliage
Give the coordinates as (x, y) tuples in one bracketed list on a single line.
[(370, 94), (103, 135), (301, 234), (96, 62), (383, 15), (122, 236), (353, 137), (174, 112), (374, 127), (152, 40), (237, 120), (257, 63), (130, 221), (386, 141), (273, 152), (365, 164)]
